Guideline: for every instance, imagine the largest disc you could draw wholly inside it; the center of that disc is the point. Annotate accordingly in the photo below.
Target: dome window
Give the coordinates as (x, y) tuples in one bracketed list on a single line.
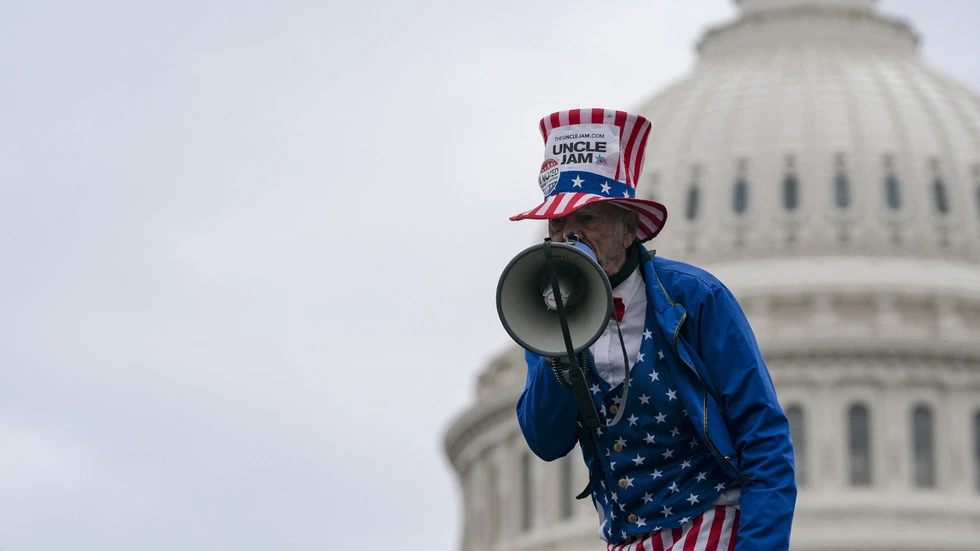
[(791, 185), (741, 196), (923, 457), (893, 197), (842, 185), (893, 193), (740, 193), (859, 445), (842, 191), (693, 200), (791, 192), (940, 197), (797, 433)]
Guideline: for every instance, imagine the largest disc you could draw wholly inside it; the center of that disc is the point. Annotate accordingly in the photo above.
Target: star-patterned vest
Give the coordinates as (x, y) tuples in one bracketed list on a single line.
[(651, 470)]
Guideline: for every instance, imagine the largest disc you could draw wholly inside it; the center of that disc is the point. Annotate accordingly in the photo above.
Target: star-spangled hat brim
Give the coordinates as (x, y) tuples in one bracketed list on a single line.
[(651, 214)]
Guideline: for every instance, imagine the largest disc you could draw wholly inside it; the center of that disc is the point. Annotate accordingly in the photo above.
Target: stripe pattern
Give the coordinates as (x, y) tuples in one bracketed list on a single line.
[(633, 132), (715, 530)]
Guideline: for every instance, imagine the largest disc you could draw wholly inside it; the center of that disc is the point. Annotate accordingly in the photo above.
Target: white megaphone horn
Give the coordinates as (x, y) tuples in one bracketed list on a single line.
[(529, 309)]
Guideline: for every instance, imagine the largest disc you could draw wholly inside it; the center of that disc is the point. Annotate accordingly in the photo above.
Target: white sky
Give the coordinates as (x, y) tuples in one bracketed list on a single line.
[(250, 248)]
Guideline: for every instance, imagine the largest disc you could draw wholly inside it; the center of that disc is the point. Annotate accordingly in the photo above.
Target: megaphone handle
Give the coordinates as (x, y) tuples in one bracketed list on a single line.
[(585, 404)]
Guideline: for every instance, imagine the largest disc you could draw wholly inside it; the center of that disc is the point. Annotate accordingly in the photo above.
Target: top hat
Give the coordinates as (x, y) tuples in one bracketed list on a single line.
[(594, 155)]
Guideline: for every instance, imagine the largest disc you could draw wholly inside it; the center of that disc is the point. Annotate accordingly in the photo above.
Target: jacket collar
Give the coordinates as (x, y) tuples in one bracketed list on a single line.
[(669, 314)]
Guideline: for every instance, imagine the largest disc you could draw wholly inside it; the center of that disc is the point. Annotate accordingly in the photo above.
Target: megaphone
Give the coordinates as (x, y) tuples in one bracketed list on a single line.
[(529, 309)]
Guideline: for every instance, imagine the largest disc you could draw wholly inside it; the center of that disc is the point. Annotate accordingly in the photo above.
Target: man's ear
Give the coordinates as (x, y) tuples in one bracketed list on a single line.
[(632, 221)]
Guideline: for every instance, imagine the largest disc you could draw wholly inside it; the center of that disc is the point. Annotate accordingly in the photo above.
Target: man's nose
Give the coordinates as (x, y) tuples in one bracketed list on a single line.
[(570, 227)]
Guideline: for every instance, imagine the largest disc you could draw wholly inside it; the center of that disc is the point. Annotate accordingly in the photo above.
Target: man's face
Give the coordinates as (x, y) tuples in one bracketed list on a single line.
[(606, 229)]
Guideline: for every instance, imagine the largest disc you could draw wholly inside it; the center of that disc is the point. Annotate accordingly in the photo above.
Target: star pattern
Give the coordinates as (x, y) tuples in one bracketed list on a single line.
[(662, 463), (577, 182), (606, 187)]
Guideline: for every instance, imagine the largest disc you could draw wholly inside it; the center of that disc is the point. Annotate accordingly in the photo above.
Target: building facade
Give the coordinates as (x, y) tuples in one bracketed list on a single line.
[(831, 179)]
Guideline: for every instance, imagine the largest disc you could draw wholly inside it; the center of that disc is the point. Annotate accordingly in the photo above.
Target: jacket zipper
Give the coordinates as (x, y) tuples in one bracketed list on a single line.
[(704, 388)]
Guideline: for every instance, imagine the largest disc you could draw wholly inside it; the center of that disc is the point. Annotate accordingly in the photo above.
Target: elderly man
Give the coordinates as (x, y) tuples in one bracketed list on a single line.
[(702, 459)]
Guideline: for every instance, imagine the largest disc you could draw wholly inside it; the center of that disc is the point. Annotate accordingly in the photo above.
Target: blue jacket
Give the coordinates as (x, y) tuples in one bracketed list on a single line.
[(724, 385)]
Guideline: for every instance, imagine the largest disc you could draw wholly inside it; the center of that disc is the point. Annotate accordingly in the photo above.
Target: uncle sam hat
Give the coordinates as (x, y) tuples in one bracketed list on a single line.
[(594, 155)]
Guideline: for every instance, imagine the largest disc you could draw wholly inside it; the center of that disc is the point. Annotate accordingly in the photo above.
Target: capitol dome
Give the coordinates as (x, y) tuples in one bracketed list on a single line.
[(831, 179), (812, 128)]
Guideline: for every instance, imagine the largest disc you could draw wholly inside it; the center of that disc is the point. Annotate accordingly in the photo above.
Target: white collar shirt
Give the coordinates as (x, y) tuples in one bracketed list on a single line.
[(607, 352)]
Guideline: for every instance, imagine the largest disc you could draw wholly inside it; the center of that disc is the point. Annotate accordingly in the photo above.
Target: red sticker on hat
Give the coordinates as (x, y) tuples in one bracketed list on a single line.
[(548, 178)]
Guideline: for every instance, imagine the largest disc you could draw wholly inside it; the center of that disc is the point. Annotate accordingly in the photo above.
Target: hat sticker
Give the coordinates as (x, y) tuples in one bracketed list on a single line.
[(548, 178)]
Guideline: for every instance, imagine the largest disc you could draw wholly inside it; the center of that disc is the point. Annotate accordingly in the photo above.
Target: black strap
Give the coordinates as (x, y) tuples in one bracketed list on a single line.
[(577, 379), (626, 379)]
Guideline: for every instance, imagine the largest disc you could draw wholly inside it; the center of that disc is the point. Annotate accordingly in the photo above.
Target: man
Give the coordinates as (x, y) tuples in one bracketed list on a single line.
[(702, 458)]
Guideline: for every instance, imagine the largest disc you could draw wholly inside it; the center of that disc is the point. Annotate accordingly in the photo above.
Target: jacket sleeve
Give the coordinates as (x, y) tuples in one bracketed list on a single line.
[(547, 412), (755, 420)]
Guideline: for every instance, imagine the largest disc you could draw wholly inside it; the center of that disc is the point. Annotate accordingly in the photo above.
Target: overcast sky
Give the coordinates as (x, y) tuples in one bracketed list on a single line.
[(249, 249)]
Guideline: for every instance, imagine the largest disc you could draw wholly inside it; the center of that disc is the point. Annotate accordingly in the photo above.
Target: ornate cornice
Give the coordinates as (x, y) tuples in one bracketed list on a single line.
[(479, 422)]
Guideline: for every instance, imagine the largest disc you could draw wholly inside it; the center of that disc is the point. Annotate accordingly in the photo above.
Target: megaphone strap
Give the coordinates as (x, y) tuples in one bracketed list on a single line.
[(585, 404), (626, 379)]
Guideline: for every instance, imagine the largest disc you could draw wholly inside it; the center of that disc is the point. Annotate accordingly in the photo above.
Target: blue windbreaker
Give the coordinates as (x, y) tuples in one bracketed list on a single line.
[(724, 385)]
